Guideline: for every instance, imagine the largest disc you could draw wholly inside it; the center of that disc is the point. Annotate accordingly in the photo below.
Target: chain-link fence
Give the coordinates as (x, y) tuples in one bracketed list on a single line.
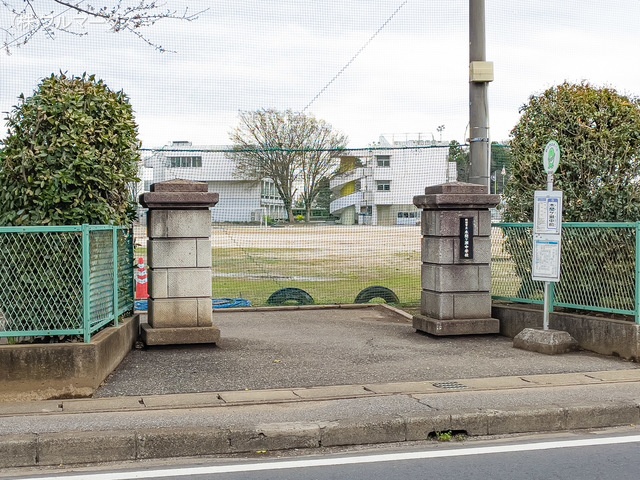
[(66, 280), (599, 268), (329, 263)]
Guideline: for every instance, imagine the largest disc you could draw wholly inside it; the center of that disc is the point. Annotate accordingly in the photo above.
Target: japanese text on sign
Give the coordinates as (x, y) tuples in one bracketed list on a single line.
[(466, 237), (546, 258), (547, 215)]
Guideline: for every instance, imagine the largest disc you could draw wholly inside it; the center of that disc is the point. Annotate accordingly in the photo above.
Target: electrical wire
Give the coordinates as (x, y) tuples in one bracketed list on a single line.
[(352, 59)]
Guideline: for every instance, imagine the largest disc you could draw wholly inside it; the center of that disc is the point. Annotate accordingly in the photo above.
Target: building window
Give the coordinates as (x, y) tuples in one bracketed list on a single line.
[(383, 185), (383, 160), (184, 161), (269, 191)]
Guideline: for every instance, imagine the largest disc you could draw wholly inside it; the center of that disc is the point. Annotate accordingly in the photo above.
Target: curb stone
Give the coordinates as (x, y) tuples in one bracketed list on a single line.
[(358, 431), (112, 446)]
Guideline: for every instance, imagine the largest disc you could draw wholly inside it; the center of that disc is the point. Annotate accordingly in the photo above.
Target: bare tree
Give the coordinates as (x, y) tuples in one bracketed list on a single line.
[(49, 17), (286, 147), (317, 160)]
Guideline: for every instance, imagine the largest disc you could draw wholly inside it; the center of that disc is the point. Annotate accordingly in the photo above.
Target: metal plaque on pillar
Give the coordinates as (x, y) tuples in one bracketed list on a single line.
[(466, 238)]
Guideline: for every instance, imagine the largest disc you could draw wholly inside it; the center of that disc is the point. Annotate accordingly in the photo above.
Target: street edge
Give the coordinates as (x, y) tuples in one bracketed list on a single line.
[(88, 447)]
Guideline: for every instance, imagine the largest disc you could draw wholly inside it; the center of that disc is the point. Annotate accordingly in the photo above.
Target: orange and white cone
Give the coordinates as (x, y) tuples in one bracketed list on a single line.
[(142, 292)]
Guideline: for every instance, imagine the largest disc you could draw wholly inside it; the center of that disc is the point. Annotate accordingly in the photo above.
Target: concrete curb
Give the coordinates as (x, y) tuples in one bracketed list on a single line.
[(67, 448)]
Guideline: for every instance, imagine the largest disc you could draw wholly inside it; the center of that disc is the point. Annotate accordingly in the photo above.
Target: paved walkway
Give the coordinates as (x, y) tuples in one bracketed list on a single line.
[(303, 378)]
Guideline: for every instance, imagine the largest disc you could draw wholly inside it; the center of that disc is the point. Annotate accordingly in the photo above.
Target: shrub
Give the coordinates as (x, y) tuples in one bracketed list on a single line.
[(598, 131), (70, 156)]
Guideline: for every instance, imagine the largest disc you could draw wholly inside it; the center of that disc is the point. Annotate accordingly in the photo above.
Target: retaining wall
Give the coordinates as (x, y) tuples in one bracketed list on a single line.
[(64, 370), (597, 334)]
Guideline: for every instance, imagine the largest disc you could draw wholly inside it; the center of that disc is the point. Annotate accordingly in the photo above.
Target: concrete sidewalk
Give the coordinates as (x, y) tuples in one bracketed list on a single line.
[(284, 379)]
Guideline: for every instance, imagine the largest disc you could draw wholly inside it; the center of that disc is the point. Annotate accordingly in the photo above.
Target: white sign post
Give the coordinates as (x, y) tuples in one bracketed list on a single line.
[(547, 229)]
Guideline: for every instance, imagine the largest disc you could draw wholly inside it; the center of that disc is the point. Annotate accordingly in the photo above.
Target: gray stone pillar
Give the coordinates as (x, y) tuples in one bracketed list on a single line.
[(179, 258), (456, 260)]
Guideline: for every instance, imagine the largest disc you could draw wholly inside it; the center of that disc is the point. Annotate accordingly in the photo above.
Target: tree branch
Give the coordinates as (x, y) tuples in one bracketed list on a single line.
[(118, 17)]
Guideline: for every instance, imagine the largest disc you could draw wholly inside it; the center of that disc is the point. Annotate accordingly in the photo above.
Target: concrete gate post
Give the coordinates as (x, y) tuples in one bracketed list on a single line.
[(456, 260), (179, 258)]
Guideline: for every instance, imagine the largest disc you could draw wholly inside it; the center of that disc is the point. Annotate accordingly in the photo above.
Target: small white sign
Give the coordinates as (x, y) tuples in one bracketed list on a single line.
[(546, 258), (551, 157), (547, 212)]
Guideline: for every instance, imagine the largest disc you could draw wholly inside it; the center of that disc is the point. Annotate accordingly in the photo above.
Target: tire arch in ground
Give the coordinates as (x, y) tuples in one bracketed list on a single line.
[(290, 295), (377, 291)]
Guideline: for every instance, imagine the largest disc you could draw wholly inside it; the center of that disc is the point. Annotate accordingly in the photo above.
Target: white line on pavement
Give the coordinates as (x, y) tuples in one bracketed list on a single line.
[(332, 461)]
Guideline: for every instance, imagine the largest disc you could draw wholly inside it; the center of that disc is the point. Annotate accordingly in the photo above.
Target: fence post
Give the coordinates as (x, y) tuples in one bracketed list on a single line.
[(86, 283), (116, 308), (637, 299), (131, 282)]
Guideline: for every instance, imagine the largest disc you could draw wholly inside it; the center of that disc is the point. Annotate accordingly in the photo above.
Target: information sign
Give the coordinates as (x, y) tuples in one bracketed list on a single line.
[(547, 226), (547, 212), (546, 258)]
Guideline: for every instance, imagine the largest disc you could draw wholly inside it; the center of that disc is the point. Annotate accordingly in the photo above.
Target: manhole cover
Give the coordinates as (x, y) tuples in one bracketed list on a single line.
[(449, 385)]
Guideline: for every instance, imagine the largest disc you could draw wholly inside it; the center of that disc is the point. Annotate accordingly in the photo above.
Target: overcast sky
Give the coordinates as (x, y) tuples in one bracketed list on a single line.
[(412, 77)]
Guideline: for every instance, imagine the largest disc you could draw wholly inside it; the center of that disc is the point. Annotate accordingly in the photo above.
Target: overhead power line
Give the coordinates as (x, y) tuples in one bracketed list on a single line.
[(351, 60)]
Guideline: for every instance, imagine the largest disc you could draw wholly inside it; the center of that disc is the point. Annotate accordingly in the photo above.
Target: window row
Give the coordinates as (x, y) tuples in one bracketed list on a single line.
[(383, 160), (383, 185), (408, 214), (184, 161)]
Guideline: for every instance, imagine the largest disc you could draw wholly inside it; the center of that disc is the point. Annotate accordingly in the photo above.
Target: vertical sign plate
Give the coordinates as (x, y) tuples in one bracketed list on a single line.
[(466, 238), (547, 212)]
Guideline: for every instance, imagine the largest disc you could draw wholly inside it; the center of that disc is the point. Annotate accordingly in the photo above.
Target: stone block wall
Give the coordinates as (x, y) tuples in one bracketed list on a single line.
[(179, 257), (455, 296)]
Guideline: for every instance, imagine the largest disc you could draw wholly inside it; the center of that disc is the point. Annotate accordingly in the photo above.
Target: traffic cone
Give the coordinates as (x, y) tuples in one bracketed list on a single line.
[(142, 292)]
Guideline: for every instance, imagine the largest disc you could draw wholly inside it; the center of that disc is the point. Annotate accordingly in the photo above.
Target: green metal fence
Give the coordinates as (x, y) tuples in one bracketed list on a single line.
[(64, 280), (599, 267)]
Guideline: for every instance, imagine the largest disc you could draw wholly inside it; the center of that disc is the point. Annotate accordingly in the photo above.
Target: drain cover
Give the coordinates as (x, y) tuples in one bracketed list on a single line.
[(449, 385)]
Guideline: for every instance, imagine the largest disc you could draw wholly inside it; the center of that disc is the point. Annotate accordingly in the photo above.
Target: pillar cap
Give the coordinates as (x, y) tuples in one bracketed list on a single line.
[(179, 195), (180, 185), (456, 195), (456, 188)]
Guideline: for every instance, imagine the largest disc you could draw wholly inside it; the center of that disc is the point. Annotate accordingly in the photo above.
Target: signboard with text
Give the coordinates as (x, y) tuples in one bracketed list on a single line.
[(547, 212), (547, 230), (466, 237), (546, 258)]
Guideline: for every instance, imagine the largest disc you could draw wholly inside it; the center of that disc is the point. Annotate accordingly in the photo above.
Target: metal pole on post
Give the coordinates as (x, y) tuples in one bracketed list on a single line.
[(547, 285), (114, 251), (478, 104), (637, 300), (86, 282)]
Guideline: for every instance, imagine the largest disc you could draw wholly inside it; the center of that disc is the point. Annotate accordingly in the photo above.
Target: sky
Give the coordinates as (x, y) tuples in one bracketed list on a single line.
[(399, 67)]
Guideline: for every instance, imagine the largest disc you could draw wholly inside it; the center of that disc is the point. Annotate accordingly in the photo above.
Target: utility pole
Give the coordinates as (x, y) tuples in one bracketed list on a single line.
[(480, 74)]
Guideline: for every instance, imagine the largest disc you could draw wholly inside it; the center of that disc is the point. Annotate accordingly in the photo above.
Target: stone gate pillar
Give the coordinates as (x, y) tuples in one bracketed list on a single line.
[(179, 259), (456, 260)]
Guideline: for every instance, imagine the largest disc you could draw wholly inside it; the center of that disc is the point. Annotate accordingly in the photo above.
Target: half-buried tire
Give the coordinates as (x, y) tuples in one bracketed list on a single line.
[(369, 293), (290, 296)]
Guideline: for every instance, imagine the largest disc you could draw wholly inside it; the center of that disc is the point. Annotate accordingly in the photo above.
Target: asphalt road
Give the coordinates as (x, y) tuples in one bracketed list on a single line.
[(592, 456)]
